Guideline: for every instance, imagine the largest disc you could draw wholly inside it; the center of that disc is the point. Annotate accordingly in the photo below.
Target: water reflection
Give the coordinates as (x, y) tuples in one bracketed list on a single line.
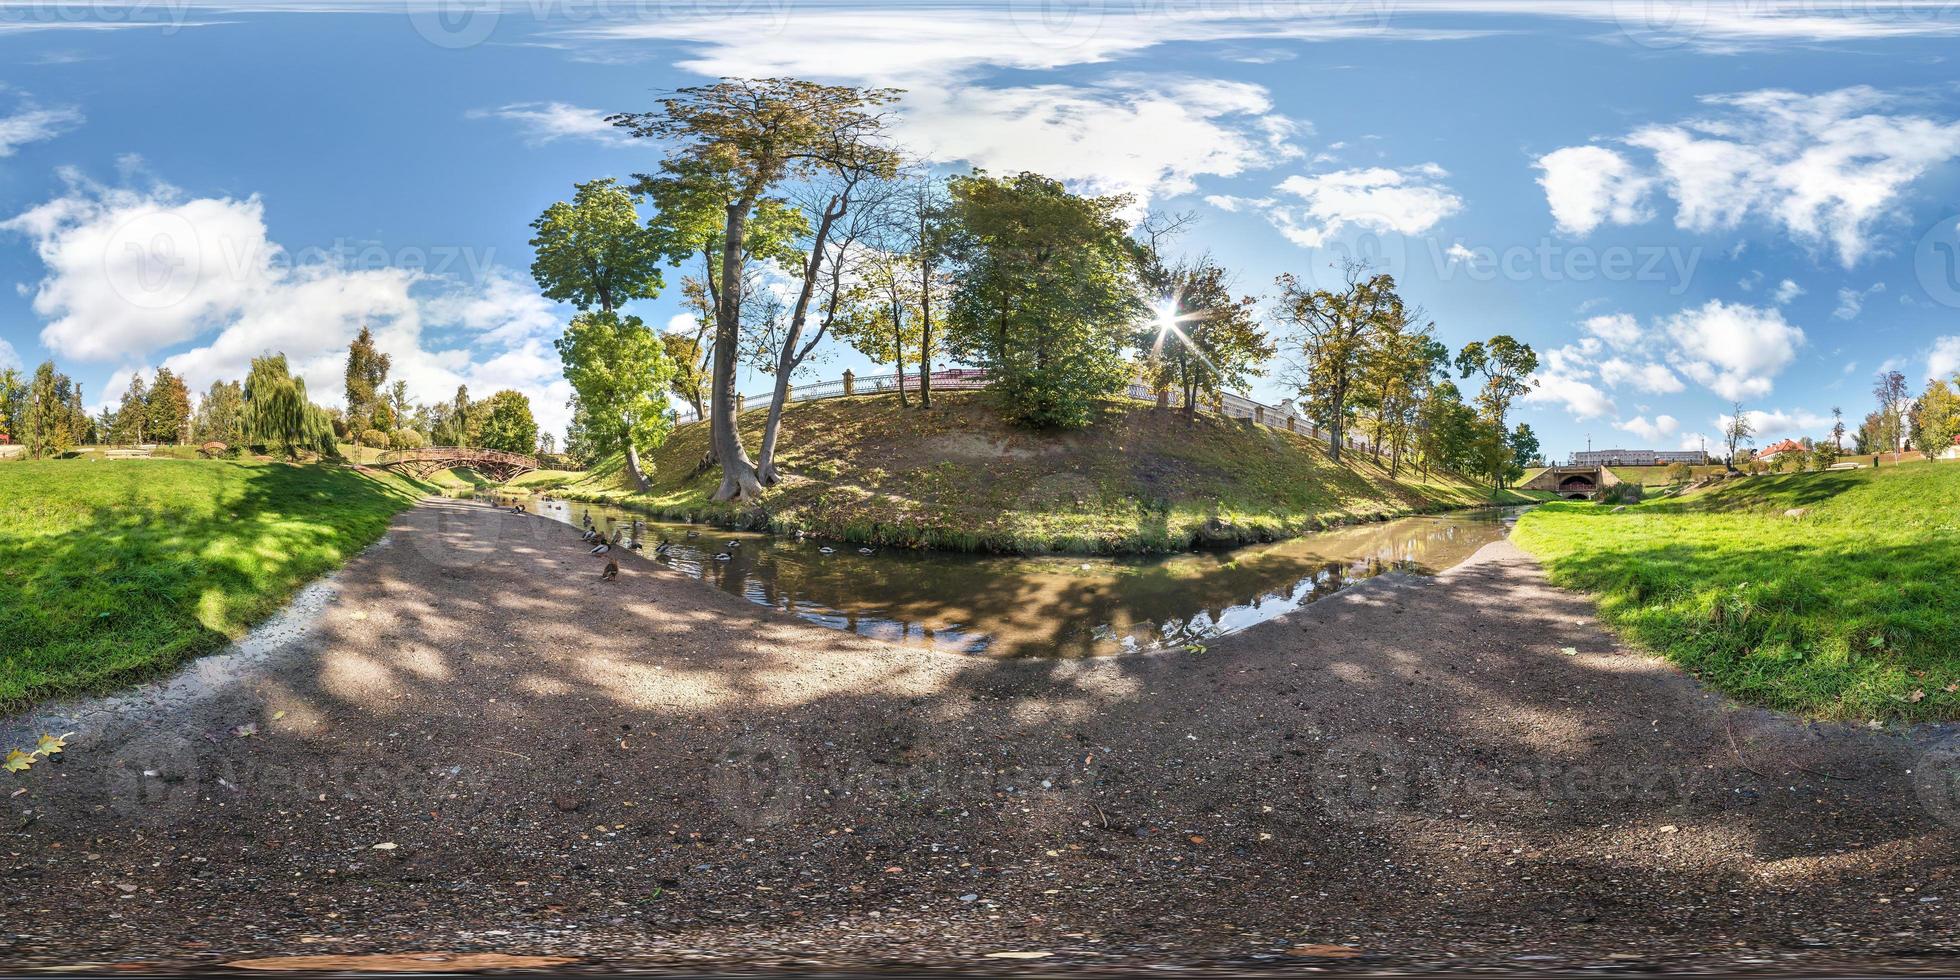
[(1042, 606)]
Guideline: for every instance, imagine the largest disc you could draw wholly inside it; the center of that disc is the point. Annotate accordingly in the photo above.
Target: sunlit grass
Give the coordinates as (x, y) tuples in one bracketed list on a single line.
[(1851, 610), (110, 570)]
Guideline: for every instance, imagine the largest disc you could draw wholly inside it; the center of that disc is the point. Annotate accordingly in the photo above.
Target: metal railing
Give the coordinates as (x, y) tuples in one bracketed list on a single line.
[(1282, 416)]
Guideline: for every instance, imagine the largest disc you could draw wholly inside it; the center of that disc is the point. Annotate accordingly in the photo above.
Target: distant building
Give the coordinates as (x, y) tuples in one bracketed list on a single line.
[(1778, 449), (1639, 457)]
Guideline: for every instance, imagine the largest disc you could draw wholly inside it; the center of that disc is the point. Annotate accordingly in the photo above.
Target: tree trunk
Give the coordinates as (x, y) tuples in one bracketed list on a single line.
[(789, 357), (633, 470), (739, 480)]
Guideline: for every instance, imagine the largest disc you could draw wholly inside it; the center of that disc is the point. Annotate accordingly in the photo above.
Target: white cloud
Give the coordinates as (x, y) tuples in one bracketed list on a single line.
[(545, 122), (1653, 432), (1126, 134), (1851, 302), (1648, 377), (1408, 201), (205, 273), (1786, 291), (1587, 186), (1825, 168), (1734, 350), (1620, 330), (1943, 360), (31, 124), (1775, 425), (1459, 253), (9, 358), (1564, 379)]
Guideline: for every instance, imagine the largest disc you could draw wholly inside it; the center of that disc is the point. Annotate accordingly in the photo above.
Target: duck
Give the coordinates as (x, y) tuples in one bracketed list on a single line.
[(723, 556), (606, 545), (798, 536), (664, 548), (826, 550), (867, 551), (611, 572), (731, 545), (693, 534), (589, 535)]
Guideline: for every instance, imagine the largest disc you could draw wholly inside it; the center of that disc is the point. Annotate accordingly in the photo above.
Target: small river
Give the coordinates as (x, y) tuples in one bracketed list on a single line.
[(1049, 606)]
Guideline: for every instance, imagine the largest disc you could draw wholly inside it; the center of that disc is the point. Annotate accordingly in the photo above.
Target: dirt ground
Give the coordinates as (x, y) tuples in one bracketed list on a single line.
[(466, 741)]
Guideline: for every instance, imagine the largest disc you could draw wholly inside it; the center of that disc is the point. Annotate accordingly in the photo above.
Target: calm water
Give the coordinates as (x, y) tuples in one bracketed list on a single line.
[(1046, 606)]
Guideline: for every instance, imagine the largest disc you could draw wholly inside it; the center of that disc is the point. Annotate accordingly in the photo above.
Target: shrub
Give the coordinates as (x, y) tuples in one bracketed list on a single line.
[(1621, 493), (1823, 457), (406, 439), (1680, 473), (374, 437)]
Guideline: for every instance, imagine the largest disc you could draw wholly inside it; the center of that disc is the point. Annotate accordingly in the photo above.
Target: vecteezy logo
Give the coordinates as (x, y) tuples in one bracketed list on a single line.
[(1936, 778), (454, 23), (1057, 23), (1661, 23), (1936, 261), (153, 260)]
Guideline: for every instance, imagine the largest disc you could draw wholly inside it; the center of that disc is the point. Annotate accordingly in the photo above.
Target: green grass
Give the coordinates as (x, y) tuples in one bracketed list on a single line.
[(959, 478), (113, 570), (1850, 611)]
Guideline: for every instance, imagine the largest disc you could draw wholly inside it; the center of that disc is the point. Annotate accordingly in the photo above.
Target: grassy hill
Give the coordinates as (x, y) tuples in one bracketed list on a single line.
[(958, 477), (1849, 609), (110, 570)]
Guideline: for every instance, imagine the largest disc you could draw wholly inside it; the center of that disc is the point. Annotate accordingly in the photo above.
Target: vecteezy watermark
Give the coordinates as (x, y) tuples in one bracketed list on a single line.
[(1936, 261), (1660, 23), (468, 23), (1551, 261), (1936, 778), (455, 23), (167, 15)]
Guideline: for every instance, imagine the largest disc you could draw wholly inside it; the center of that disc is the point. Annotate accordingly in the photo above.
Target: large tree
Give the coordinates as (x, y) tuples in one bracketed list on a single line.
[(49, 423), (367, 371), (621, 374), (1936, 419), (1894, 401), (1506, 365), (133, 415), (743, 137), (507, 423), (1048, 294), (13, 403), (1203, 340), (1331, 332), (593, 252), (169, 407), (278, 414), (220, 414), (1737, 432)]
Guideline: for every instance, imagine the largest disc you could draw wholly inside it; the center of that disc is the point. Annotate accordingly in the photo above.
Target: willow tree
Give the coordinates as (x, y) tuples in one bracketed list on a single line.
[(621, 374), (277, 414), (747, 136)]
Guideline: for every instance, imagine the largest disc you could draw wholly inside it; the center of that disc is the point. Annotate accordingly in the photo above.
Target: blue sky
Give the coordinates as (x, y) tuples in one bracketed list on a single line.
[(1680, 204)]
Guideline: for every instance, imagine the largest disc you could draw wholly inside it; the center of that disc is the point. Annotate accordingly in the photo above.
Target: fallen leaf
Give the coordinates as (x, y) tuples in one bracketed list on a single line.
[(1569, 651), (1030, 954), (17, 761), (51, 744), (386, 845), (1918, 694), (278, 715), (1197, 838), (1324, 951)]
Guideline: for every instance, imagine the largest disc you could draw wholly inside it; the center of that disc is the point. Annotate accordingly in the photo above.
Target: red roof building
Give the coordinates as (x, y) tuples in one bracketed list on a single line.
[(1778, 449)]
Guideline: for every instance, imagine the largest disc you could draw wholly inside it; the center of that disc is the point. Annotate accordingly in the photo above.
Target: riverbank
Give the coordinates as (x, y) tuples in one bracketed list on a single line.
[(1832, 595), (958, 478), (1403, 777), (114, 570)]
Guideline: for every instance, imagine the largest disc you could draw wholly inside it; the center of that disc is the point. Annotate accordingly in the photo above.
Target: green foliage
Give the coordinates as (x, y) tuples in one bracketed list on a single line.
[(1203, 340), (133, 415), (621, 374), (594, 251), (1680, 473), (367, 370), (1332, 331), (1850, 610), (13, 404), (690, 380), (220, 415), (508, 425), (1506, 365), (116, 572), (406, 439), (52, 420), (1622, 493), (277, 414), (169, 407), (1046, 297), (1524, 447), (1936, 418)]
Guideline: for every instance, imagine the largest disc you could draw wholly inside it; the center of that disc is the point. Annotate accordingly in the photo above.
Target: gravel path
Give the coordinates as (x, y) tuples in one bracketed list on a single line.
[(466, 741)]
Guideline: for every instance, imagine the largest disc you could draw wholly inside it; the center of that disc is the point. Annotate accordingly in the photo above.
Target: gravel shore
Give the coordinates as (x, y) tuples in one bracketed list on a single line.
[(465, 740)]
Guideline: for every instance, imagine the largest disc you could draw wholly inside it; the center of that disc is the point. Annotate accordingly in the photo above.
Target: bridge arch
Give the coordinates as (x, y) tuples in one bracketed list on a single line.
[(420, 463)]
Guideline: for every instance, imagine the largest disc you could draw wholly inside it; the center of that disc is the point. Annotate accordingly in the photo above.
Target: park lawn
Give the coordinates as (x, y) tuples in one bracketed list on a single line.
[(1850, 611), (114, 570), (958, 477)]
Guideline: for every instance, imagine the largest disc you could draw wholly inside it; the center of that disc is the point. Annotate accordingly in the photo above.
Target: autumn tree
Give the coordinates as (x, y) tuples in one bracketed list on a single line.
[(168, 407), (690, 381), (1203, 341), (1935, 419), (621, 374), (13, 402), (745, 137), (133, 415), (52, 422), (507, 423), (220, 414), (1331, 330), (1894, 401), (1047, 294)]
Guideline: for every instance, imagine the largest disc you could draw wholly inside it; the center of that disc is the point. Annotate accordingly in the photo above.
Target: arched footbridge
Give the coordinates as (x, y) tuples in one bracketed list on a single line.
[(500, 466)]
